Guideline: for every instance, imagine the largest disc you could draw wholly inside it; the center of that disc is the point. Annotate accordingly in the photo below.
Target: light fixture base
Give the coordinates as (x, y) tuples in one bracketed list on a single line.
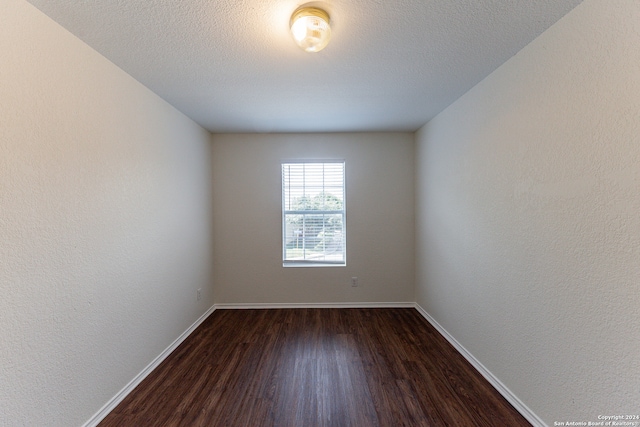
[(303, 11)]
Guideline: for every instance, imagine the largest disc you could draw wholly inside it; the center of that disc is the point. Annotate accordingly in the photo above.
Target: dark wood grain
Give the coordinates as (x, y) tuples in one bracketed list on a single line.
[(315, 367)]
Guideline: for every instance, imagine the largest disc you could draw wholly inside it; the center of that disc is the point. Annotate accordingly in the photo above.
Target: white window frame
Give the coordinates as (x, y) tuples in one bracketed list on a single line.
[(305, 260)]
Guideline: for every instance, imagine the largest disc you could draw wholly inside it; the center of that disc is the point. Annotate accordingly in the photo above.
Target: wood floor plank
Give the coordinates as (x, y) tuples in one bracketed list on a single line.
[(315, 368)]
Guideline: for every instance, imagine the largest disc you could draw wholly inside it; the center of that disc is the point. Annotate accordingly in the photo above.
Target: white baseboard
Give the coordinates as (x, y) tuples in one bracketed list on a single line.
[(495, 382), (119, 397), (316, 305)]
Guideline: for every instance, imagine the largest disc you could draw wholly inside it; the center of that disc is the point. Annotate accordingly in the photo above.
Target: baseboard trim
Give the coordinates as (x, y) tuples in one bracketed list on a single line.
[(119, 397), (487, 374), (316, 305)]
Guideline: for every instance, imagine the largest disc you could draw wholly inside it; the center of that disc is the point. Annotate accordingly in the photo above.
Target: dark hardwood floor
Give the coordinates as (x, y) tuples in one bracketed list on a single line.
[(315, 367)]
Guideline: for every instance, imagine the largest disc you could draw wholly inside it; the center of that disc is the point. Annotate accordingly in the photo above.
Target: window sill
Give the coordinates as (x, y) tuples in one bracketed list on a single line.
[(310, 264)]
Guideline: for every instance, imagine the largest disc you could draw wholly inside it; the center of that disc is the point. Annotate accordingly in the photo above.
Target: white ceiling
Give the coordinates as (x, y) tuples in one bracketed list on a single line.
[(231, 65)]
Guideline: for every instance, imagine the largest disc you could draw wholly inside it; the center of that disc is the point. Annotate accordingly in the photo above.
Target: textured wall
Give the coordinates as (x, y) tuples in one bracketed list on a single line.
[(247, 219), (528, 201), (104, 224)]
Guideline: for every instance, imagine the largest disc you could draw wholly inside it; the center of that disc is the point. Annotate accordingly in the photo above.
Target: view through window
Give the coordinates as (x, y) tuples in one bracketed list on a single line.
[(313, 213)]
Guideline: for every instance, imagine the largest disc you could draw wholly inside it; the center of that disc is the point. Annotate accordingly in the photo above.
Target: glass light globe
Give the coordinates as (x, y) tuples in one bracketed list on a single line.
[(310, 28)]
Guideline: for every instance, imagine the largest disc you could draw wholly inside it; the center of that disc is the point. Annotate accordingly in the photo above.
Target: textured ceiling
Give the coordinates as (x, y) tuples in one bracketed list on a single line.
[(232, 66)]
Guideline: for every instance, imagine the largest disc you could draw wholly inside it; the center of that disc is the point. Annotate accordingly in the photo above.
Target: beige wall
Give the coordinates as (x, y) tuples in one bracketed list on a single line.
[(528, 202), (247, 219), (104, 224)]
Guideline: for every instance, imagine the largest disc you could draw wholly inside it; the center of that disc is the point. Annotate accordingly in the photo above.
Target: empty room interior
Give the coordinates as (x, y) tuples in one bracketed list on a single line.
[(490, 156)]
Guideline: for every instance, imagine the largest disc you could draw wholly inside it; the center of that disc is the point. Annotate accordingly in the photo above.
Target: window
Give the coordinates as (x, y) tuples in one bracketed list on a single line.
[(313, 213)]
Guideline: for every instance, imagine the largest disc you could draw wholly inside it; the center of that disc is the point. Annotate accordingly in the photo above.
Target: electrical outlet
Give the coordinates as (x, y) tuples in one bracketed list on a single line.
[(354, 282), (199, 294)]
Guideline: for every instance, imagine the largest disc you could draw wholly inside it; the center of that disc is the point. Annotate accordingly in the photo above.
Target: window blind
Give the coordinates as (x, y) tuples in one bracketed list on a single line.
[(313, 213)]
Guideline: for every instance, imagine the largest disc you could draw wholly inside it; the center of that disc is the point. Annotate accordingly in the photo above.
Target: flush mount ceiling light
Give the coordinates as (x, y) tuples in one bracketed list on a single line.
[(310, 28)]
